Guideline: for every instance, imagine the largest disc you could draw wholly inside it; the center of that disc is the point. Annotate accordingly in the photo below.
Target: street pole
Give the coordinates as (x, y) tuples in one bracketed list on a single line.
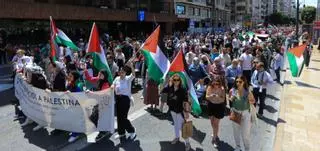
[(297, 20)]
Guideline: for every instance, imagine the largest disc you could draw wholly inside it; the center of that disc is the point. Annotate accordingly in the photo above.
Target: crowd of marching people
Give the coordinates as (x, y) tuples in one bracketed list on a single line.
[(230, 71)]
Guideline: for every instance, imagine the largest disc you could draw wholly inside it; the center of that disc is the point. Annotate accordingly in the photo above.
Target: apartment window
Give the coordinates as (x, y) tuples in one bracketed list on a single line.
[(241, 8), (181, 9), (190, 11), (197, 10)]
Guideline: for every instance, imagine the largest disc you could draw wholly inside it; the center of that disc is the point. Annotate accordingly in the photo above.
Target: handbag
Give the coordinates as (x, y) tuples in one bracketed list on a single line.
[(187, 129), (253, 113), (235, 117)]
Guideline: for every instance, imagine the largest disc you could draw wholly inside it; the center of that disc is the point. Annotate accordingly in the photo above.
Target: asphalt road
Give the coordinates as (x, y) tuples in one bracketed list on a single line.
[(154, 132)]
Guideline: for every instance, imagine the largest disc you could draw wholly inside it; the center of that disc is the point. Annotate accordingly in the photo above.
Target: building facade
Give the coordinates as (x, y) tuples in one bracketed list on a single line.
[(221, 13), (241, 12), (318, 11), (286, 7), (193, 14), (259, 11), (126, 15)]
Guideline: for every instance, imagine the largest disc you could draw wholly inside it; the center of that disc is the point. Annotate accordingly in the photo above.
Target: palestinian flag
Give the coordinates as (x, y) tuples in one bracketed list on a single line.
[(296, 60), (98, 54), (241, 37), (57, 36), (157, 63), (54, 48), (178, 67)]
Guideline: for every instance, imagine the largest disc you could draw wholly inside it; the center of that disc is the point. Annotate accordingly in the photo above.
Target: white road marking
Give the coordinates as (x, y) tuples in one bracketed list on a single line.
[(84, 142), (4, 87)]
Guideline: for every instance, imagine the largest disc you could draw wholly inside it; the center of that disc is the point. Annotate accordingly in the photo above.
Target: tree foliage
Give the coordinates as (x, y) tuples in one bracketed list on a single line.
[(308, 14), (279, 19)]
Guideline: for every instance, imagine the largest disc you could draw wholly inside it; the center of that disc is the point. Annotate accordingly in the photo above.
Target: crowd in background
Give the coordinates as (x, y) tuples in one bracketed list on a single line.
[(229, 70)]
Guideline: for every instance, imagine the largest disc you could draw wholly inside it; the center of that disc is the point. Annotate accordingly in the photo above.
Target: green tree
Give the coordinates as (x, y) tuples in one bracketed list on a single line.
[(308, 14), (276, 18)]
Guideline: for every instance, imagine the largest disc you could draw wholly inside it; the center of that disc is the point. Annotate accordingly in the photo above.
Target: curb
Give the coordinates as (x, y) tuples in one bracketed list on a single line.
[(280, 125)]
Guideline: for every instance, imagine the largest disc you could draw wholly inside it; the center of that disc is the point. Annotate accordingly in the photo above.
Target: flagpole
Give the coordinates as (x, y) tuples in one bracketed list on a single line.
[(135, 53)]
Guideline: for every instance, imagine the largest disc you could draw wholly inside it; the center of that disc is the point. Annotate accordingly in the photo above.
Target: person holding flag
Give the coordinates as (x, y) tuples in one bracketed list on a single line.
[(177, 96), (177, 101), (104, 78), (123, 95)]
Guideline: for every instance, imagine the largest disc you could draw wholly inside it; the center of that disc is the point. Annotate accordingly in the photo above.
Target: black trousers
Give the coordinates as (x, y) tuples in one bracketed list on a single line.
[(277, 71), (260, 96), (307, 58), (236, 53), (123, 106), (3, 57), (247, 74)]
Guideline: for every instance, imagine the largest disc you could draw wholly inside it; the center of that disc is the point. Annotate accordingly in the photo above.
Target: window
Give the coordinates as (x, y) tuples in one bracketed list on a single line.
[(190, 11), (241, 8), (197, 10), (181, 9)]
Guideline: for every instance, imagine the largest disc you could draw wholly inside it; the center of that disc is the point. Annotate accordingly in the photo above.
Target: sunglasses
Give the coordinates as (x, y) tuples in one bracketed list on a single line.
[(239, 82), (216, 83), (176, 80)]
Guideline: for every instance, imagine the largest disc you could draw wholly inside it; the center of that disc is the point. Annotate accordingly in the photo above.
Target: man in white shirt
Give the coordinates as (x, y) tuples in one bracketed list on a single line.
[(235, 46), (225, 57), (246, 63), (260, 80)]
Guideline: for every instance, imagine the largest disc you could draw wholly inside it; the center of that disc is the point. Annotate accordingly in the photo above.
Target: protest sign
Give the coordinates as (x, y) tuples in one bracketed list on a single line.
[(75, 112)]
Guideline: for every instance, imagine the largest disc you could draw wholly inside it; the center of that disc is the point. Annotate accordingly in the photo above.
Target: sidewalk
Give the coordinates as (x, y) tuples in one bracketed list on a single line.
[(299, 119)]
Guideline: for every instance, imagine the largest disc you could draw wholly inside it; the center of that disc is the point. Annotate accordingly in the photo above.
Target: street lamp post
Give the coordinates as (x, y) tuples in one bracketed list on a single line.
[(297, 20)]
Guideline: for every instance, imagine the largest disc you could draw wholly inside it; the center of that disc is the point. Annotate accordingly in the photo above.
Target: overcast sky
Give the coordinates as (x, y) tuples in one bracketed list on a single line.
[(310, 2)]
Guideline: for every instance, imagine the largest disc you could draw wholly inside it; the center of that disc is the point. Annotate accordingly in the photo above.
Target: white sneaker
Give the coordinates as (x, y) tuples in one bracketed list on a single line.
[(188, 146), (26, 122), (117, 136), (37, 128), (132, 136), (73, 138), (175, 141)]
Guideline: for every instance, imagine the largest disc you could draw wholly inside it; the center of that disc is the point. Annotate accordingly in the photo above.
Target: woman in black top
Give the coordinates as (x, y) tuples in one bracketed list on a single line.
[(178, 105)]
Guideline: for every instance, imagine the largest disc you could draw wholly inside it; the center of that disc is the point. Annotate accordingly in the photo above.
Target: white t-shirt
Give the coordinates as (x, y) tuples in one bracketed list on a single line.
[(123, 86), (246, 61), (225, 59), (235, 43), (120, 56)]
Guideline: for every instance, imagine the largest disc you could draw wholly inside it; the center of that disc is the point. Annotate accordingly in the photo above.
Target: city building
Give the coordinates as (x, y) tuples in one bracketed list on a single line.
[(193, 14), (259, 11), (270, 7), (221, 13), (286, 7), (318, 11), (114, 16), (241, 11)]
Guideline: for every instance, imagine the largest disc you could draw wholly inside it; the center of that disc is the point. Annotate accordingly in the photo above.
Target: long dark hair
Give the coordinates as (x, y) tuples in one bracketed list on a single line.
[(245, 82), (104, 80), (76, 77)]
